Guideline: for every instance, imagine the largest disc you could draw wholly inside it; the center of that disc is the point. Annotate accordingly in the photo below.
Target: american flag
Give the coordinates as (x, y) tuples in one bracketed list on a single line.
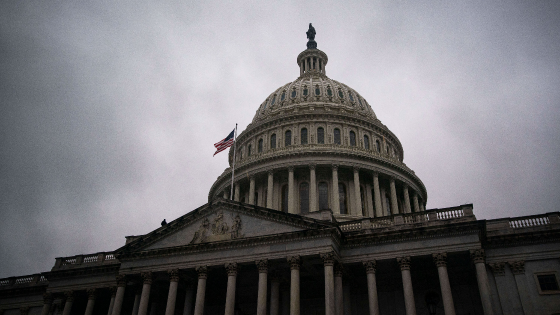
[(224, 143)]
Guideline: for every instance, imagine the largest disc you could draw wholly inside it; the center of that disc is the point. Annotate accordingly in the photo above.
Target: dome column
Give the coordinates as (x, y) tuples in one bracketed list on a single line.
[(394, 204), (291, 199), (406, 199), (357, 195), (236, 193), (415, 201), (335, 197), (252, 190), (377, 195), (312, 189), (269, 189)]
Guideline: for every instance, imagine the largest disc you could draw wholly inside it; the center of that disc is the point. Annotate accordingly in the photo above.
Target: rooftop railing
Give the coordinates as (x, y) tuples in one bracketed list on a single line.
[(90, 259), (522, 224), (36, 279)]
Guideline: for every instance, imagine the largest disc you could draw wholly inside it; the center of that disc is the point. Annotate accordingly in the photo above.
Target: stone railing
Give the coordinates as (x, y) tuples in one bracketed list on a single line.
[(36, 279), (522, 224), (464, 213), (90, 259)]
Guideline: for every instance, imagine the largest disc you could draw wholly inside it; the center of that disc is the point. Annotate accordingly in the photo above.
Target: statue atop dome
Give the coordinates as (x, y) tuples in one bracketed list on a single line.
[(311, 44)]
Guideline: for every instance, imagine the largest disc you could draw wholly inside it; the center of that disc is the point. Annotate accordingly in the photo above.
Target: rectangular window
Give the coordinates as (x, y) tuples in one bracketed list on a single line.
[(548, 282)]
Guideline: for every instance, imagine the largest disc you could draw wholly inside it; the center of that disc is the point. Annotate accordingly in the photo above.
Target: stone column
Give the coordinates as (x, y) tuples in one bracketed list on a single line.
[(338, 294), (172, 295), (357, 195), (270, 189), (47, 303), (415, 200), (377, 195), (422, 207), (328, 260), (121, 286), (410, 306), (440, 260), (230, 295), (201, 290), (91, 301), (481, 276), (112, 303), (252, 190), (145, 298), (407, 208), (291, 197), (236, 192), (274, 295), (335, 197), (295, 262), (394, 203), (226, 194), (313, 203), (262, 265), (187, 310), (136, 301), (371, 267), (518, 269), (69, 301)]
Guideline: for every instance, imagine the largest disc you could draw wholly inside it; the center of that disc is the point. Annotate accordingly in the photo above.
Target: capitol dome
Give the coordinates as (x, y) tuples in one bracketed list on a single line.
[(315, 144)]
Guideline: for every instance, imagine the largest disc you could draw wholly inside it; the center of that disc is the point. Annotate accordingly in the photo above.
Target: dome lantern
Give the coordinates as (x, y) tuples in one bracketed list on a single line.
[(312, 60)]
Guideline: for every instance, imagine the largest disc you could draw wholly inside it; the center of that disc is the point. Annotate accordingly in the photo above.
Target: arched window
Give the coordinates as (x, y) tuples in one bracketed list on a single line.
[(260, 146), (351, 98), (387, 205), (352, 138), (288, 138), (329, 91), (285, 198), (294, 93), (249, 150), (242, 199), (366, 142), (304, 136), (256, 198), (305, 91), (273, 100), (320, 135), (378, 145), (323, 196), (273, 141), (363, 201), (283, 97), (342, 198), (240, 154), (304, 198), (317, 91), (336, 136), (387, 149)]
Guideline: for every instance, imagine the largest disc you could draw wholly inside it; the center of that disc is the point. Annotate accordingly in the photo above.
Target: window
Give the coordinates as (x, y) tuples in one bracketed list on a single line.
[(285, 198), (336, 136), (240, 154), (288, 138), (305, 91), (304, 198), (283, 97), (317, 91), (256, 198), (320, 135), (351, 98), (293, 93), (264, 105), (378, 145), (342, 198), (304, 136), (363, 202), (366, 142), (359, 100), (387, 205), (273, 141), (352, 138), (260, 146), (323, 196), (387, 149), (548, 282), (249, 150), (329, 91), (273, 100), (340, 94)]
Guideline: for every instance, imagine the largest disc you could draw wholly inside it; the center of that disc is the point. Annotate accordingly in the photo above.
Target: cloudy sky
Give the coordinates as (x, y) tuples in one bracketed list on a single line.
[(109, 110)]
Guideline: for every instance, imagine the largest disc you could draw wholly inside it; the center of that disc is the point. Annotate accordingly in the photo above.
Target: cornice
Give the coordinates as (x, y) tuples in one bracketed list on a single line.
[(523, 238), (81, 271)]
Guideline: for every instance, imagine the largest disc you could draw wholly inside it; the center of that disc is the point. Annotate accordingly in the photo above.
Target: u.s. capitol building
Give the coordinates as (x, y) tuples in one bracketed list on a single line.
[(324, 218)]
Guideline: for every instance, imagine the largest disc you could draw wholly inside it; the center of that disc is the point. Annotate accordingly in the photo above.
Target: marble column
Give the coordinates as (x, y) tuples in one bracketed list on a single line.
[(112, 303), (410, 306), (313, 203), (328, 261), (422, 207), (270, 189), (47, 303), (394, 203), (407, 208), (145, 297), (189, 294), (295, 262), (415, 201), (335, 197), (252, 190), (440, 259), (291, 195), (201, 290), (357, 195), (371, 268), (172, 294), (69, 301), (262, 265), (136, 304), (518, 270), (482, 277), (274, 295), (91, 293), (377, 196), (121, 286), (231, 269), (236, 192), (338, 294)]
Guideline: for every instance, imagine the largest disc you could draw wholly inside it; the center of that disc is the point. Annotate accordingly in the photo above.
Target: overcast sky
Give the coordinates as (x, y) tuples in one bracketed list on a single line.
[(109, 110)]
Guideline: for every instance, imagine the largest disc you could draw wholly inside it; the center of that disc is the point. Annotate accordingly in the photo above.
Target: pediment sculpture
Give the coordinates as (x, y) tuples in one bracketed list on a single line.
[(219, 230)]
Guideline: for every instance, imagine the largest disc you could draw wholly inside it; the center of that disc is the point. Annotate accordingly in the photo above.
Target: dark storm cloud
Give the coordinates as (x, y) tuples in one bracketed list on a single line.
[(109, 110)]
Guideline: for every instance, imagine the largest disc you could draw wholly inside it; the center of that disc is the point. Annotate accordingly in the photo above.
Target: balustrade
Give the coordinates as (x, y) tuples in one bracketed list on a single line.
[(530, 221)]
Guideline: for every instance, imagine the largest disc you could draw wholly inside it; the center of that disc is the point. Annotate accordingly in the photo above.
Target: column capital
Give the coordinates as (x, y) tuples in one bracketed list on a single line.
[(498, 268), (147, 277), (355, 168), (121, 280), (262, 265), (24, 310), (328, 258), (517, 267), (113, 291), (231, 268), (477, 255), (334, 167), (91, 293), (173, 275), (290, 168), (371, 266), (312, 166), (375, 173), (294, 261), (404, 262), (270, 171), (405, 185), (202, 272), (69, 296), (440, 259), (338, 269), (392, 179), (48, 298), (251, 176)]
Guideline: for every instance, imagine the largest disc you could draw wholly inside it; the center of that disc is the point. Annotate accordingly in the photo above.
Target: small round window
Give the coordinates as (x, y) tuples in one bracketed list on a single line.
[(340, 94)]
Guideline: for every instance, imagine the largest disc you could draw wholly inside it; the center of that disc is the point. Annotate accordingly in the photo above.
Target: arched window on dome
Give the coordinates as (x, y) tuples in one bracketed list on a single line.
[(260, 145), (273, 141), (304, 198), (351, 97), (320, 135), (284, 198), (305, 91), (360, 101), (378, 146), (387, 148), (303, 135), (340, 94), (249, 150), (288, 138), (273, 100), (342, 198), (366, 142), (283, 97), (317, 90), (323, 196), (329, 91), (352, 138), (336, 136), (294, 93)]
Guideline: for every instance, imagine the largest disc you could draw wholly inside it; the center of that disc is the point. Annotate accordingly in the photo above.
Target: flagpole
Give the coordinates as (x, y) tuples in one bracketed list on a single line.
[(233, 168)]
